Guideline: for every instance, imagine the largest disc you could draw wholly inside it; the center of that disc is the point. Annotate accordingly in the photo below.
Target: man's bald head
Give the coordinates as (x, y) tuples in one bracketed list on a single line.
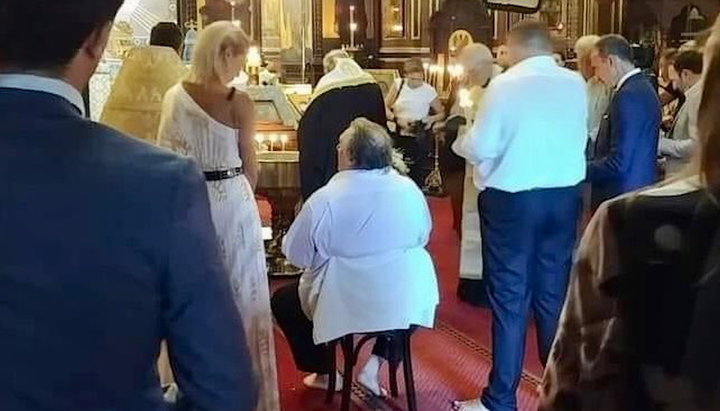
[(477, 61), (476, 54)]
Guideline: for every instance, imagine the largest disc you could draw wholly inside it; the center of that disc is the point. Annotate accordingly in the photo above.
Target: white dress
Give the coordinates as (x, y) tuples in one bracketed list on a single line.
[(187, 129)]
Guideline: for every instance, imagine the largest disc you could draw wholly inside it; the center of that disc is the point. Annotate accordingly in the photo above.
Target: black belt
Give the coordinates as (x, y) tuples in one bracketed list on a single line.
[(223, 174)]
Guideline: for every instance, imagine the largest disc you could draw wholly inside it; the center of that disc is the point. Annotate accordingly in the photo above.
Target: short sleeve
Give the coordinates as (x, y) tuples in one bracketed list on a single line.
[(432, 94)]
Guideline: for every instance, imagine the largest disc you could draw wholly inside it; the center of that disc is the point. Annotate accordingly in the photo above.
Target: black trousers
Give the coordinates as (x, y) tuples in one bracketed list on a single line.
[(298, 330), (415, 151)]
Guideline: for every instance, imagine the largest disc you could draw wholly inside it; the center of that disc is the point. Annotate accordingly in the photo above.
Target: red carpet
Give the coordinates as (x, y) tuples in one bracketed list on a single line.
[(451, 362)]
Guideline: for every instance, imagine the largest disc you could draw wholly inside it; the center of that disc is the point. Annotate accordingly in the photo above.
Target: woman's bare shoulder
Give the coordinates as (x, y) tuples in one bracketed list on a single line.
[(241, 98), (242, 103)]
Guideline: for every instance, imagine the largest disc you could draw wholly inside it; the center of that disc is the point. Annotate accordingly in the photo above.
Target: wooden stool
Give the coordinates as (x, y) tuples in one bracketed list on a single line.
[(350, 356)]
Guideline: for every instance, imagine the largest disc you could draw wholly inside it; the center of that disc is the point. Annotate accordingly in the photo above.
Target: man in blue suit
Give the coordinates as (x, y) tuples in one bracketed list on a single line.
[(625, 152), (106, 243)]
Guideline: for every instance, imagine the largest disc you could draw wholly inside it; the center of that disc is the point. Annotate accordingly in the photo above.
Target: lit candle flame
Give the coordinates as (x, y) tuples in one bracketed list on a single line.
[(464, 96), (254, 59)]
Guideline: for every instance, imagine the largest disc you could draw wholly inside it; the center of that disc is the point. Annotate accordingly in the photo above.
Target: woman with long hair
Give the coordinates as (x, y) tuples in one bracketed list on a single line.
[(213, 123), (639, 326)]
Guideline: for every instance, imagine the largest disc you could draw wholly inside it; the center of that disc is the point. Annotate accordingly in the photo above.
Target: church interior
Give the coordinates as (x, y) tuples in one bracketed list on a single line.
[(290, 39)]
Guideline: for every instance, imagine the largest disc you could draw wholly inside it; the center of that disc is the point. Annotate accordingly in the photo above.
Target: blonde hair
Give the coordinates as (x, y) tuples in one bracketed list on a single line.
[(214, 41), (585, 44)]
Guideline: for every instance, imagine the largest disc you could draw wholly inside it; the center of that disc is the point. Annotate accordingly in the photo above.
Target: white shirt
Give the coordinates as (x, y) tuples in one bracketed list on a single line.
[(413, 104), (361, 240), (30, 82), (531, 130), (627, 76)]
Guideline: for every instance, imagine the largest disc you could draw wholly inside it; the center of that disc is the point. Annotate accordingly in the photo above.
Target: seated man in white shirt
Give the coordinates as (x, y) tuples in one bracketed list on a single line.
[(361, 240)]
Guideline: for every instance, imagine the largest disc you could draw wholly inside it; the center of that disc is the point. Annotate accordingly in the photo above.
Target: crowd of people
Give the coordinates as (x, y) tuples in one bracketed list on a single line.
[(112, 247)]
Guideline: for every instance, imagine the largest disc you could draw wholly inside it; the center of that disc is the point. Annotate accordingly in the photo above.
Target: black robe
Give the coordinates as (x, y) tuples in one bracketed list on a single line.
[(328, 116)]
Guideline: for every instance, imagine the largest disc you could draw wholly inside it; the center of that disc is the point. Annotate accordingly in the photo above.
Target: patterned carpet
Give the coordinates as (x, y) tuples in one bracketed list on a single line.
[(451, 361)]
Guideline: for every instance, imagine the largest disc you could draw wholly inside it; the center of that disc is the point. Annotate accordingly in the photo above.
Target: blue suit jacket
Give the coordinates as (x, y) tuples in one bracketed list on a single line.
[(625, 156), (106, 248)]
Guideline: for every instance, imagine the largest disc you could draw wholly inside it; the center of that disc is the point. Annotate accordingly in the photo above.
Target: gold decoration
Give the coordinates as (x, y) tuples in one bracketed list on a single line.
[(121, 40), (458, 40)]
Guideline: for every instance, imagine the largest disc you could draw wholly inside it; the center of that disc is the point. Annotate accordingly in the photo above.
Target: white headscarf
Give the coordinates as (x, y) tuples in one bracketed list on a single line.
[(347, 73)]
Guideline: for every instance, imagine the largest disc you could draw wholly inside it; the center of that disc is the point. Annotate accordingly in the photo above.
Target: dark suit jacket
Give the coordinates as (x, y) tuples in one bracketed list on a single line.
[(325, 119), (106, 248), (625, 155)]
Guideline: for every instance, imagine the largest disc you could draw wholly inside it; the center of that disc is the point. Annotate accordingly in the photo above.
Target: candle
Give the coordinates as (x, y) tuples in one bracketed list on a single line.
[(464, 96), (253, 58), (455, 70), (273, 139), (353, 27), (426, 67), (434, 70), (283, 140)]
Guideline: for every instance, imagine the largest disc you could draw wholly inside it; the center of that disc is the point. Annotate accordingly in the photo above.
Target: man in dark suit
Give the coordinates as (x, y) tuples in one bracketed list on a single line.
[(625, 152), (106, 243)]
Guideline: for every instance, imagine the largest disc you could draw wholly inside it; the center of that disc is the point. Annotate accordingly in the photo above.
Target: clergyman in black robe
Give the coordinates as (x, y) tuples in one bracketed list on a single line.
[(344, 94)]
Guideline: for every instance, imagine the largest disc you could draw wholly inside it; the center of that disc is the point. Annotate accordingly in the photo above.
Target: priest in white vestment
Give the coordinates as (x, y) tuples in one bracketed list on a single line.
[(477, 62)]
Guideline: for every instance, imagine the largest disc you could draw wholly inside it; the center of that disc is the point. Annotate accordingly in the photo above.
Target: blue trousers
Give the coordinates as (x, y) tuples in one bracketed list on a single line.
[(528, 240)]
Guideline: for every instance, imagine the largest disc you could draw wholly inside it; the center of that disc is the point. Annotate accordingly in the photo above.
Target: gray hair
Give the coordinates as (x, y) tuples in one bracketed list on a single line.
[(331, 58), (368, 145)]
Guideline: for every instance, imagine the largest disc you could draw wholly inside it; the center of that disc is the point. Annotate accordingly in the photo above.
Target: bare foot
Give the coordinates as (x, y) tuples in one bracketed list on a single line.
[(321, 382)]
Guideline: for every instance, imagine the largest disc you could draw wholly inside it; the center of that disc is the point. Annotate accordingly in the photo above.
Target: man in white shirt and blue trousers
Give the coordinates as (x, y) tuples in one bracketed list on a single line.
[(528, 142)]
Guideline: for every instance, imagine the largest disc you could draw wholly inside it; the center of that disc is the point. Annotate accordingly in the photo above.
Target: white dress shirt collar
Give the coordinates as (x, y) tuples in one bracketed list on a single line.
[(537, 61), (57, 87), (626, 77)]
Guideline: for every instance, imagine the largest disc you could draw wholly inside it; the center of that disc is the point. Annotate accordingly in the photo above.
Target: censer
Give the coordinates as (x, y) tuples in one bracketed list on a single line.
[(433, 182)]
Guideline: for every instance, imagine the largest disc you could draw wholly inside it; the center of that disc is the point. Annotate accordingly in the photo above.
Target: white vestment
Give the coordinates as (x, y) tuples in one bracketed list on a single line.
[(471, 265)]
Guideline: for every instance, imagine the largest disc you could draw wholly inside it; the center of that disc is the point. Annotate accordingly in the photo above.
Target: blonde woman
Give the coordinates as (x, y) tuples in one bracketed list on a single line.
[(205, 119)]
